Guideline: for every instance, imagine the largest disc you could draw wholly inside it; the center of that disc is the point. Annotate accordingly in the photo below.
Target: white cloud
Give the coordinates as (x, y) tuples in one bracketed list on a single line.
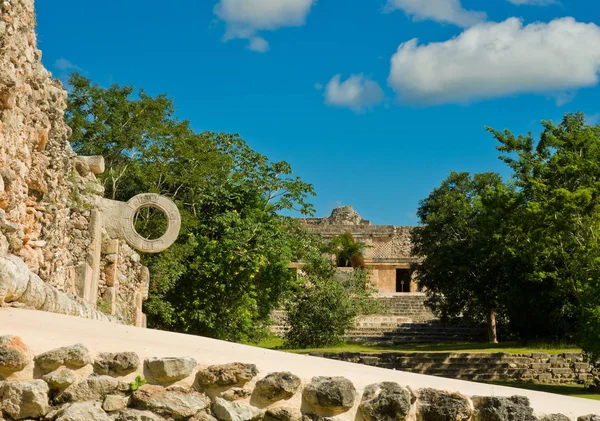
[(65, 65), (498, 59), (244, 18), (533, 2), (447, 11), (357, 92), (258, 44)]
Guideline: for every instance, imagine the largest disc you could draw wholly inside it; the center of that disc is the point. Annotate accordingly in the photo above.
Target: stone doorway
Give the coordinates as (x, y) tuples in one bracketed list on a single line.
[(402, 280)]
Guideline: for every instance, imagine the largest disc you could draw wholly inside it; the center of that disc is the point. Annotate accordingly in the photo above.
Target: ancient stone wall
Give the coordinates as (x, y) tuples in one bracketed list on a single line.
[(51, 206), (72, 384), (539, 367)]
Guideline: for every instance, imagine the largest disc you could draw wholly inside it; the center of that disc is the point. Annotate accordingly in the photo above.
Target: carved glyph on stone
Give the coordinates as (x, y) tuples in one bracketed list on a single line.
[(120, 217)]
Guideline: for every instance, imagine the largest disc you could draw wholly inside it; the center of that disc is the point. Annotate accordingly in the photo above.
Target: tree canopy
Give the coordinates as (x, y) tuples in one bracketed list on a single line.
[(527, 248), (229, 266)]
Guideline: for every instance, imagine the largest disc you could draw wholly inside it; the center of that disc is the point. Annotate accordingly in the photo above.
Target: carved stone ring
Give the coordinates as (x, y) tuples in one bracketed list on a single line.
[(120, 218), (156, 201)]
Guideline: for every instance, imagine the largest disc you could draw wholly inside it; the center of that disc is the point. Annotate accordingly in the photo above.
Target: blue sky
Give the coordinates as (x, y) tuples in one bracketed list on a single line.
[(373, 102)]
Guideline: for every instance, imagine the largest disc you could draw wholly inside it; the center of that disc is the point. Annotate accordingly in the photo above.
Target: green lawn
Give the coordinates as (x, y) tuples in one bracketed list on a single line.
[(508, 347), (575, 390)]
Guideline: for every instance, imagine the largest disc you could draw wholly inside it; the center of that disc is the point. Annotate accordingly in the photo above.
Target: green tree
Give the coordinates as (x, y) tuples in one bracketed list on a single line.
[(326, 303), (464, 240), (558, 179), (229, 267), (348, 252)]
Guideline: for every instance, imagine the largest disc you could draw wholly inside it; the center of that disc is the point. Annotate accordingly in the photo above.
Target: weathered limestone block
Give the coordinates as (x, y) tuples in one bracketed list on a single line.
[(110, 296), (503, 409), (203, 416), (434, 405), (115, 403), (235, 394), (231, 374), (555, 417), (138, 415), (25, 399), (82, 411), (86, 164), (283, 413), (277, 386), (332, 395), (386, 401), (177, 403), (60, 379), (94, 388), (116, 363), (590, 417), (171, 369), (14, 355), (74, 356), (235, 411), (19, 284)]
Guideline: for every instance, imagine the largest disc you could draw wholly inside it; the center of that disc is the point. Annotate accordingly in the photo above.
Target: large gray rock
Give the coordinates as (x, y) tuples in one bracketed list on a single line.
[(169, 370), (590, 417), (176, 402), (386, 401), (60, 379), (94, 388), (74, 356), (116, 363), (283, 413), (557, 417), (514, 408), (277, 386), (332, 395), (14, 355), (439, 405), (82, 411), (235, 411), (137, 415), (231, 374), (25, 399)]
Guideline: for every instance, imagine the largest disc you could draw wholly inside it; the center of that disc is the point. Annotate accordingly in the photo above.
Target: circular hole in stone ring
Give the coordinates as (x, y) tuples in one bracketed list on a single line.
[(137, 208)]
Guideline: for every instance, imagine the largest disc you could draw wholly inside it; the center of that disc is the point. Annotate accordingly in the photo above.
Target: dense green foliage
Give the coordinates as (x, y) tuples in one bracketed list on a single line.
[(559, 182), (348, 252), (464, 240), (326, 304), (528, 250), (229, 267)]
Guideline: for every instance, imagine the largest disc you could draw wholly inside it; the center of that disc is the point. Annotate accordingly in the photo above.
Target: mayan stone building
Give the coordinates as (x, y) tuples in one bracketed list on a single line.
[(388, 255), (63, 247)]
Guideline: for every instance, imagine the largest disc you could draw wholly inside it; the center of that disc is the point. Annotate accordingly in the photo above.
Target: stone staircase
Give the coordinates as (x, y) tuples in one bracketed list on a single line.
[(406, 305), (464, 366), (416, 333), (406, 320)]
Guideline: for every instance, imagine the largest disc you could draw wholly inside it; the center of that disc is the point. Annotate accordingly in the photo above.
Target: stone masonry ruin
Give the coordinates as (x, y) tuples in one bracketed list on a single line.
[(63, 247), (388, 255), (74, 384)]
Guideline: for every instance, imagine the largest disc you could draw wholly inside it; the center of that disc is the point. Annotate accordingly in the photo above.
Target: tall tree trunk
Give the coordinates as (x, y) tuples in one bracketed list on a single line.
[(491, 321)]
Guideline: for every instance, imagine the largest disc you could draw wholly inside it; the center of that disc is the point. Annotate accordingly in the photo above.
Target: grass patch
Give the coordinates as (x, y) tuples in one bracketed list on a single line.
[(573, 390), (507, 347)]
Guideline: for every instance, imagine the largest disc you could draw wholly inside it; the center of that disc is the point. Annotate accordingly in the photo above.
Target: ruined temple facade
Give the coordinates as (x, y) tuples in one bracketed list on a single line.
[(63, 247), (388, 255)]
